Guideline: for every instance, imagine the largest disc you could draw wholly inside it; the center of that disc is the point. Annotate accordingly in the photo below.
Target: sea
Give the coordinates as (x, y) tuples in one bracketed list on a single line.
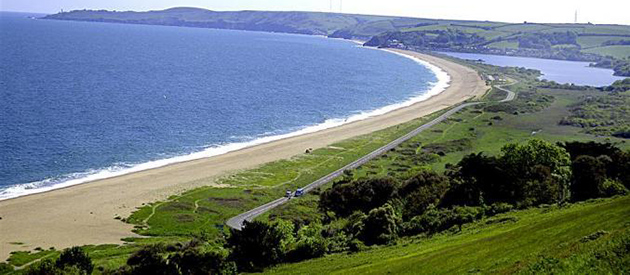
[(561, 71), (82, 101)]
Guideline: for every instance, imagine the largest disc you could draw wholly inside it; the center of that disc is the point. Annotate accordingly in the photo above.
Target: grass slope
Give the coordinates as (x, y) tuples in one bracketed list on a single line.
[(617, 51), (507, 243), (205, 210)]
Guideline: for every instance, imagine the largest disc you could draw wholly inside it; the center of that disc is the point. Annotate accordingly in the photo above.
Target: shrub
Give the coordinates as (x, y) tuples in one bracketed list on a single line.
[(589, 174), (435, 220), (611, 188), (499, 208), (346, 197), (5, 268), (259, 244), (381, 226), (356, 223), (71, 261), (422, 190), (195, 260), (150, 260), (48, 267), (338, 242), (357, 246), (75, 256), (310, 244)]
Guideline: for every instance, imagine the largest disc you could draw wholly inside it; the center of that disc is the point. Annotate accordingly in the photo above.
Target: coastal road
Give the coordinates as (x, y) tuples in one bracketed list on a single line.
[(238, 221)]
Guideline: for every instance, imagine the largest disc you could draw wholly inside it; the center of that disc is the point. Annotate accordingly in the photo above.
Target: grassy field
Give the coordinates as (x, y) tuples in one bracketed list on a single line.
[(504, 45), (505, 36), (507, 243), (617, 51), (595, 41), (205, 210)]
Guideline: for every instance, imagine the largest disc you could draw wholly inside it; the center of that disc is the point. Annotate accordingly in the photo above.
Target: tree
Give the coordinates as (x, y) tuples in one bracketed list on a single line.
[(310, 243), (589, 174), (422, 190), (356, 224), (591, 148), (475, 180), (195, 260), (75, 256), (522, 164), (344, 198), (259, 245), (71, 261), (381, 226), (150, 260), (48, 267), (541, 188)]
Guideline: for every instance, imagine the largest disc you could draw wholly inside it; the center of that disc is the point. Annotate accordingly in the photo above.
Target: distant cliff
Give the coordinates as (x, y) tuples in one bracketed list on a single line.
[(312, 23)]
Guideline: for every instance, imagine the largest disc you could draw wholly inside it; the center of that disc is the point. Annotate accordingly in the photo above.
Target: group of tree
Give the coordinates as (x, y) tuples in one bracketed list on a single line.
[(190, 258), (71, 261), (621, 67), (430, 39), (376, 211), (358, 213), (618, 86)]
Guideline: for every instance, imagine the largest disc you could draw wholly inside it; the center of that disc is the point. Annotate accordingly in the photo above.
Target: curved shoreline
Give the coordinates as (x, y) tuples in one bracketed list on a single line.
[(21, 190), (84, 214)]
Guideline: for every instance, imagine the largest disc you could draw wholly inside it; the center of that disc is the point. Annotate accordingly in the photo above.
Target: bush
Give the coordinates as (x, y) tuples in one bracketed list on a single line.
[(75, 256), (346, 197), (310, 244), (611, 188), (435, 220), (339, 242), (422, 190), (71, 261), (150, 260), (357, 246), (499, 208), (5, 268), (195, 260), (381, 226), (259, 244), (589, 174), (356, 223), (48, 267)]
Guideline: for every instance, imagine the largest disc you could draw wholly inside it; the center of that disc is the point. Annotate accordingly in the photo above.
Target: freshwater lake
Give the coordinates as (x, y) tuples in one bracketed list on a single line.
[(560, 71)]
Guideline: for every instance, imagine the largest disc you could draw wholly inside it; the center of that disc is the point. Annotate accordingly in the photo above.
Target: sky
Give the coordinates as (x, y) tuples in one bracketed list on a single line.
[(544, 11)]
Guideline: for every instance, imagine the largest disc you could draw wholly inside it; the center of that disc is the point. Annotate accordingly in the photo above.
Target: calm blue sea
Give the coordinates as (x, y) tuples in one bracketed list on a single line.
[(82, 101), (557, 70)]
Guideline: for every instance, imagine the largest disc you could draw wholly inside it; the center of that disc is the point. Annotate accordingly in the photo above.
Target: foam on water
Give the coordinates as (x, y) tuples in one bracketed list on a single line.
[(122, 169)]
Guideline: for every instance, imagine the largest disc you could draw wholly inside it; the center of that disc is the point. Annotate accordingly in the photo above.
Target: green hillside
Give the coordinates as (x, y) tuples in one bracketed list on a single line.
[(545, 239), (510, 36), (290, 22)]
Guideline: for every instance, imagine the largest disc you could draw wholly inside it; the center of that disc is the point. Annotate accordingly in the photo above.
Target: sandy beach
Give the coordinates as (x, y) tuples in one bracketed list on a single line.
[(84, 214)]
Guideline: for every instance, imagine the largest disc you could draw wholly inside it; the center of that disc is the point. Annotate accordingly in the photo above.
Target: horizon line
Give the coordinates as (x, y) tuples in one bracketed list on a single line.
[(325, 12)]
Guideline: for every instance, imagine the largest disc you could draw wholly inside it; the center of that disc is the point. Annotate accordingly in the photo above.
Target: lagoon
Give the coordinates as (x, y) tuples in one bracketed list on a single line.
[(560, 71)]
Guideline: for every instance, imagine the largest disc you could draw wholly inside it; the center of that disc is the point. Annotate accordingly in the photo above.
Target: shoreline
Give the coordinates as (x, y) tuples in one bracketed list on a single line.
[(84, 213), (22, 190)]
